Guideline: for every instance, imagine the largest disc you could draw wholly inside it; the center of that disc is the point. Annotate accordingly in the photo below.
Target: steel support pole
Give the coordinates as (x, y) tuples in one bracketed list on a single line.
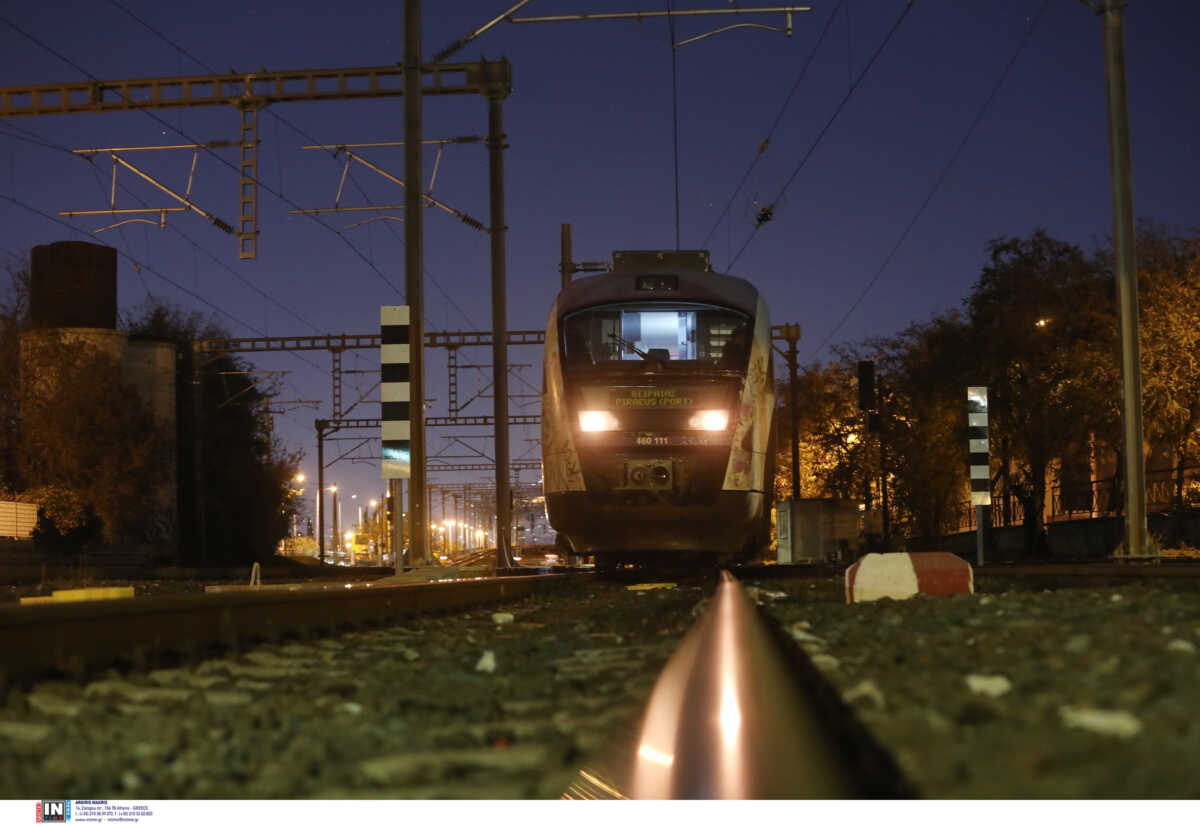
[(1136, 542), (499, 329), (337, 534), (414, 265), (320, 424)]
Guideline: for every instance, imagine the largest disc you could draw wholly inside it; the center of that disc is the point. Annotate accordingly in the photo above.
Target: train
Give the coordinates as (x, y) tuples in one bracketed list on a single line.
[(657, 406)]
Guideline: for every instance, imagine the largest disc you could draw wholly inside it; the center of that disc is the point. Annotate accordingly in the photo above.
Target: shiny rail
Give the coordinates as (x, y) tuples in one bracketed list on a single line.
[(730, 719)]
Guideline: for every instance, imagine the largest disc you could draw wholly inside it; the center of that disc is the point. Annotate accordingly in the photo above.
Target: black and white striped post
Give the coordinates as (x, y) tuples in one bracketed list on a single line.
[(981, 477), (395, 396)]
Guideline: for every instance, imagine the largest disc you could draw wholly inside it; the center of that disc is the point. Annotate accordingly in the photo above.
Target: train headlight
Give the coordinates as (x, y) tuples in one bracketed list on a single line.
[(598, 420), (712, 420)]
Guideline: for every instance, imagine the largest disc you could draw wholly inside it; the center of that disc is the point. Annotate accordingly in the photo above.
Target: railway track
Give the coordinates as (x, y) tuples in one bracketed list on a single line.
[(738, 713), (984, 696), (81, 638)]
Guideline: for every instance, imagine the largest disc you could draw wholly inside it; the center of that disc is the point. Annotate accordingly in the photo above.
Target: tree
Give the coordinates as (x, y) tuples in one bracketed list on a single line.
[(14, 317), (1169, 273), (1042, 323), (247, 472), (827, 417), (84, 428), (921, 377)]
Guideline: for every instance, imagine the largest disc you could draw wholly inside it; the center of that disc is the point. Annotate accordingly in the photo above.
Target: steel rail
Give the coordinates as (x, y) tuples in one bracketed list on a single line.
[(79, 638), (727, 720)]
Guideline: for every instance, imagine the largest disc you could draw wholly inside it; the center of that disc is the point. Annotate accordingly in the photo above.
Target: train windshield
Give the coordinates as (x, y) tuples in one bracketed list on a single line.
[(695, 333)]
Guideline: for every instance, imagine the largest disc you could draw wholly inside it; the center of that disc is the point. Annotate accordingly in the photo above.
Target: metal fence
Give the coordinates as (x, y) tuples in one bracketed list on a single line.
[(1102, 498)]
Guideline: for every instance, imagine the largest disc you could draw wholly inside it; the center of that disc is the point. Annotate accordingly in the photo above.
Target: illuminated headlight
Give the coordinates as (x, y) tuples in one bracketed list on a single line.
[(713, 420), (598, 420)]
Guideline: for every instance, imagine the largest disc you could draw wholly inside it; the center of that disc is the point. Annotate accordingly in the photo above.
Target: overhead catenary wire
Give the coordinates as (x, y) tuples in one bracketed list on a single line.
[(139, 265), (42, 44), (766, 142), (311, 140), (769, 209), (163, 122), (933, 190), (49, 144), (53, 219), (278, 195), (281, 119), (151, 270)]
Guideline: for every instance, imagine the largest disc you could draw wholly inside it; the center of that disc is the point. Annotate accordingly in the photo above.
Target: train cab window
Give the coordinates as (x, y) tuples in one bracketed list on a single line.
[(619, 333)]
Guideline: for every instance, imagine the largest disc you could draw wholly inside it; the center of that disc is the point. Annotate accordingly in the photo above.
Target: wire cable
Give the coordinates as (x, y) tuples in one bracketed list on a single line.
[(762, 147), (49, 144), (769, 210), (135, 262), (1028, 35), (311, 140), (161, 121)]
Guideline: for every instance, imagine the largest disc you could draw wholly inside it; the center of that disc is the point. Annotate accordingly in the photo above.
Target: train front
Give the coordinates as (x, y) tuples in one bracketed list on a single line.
[(656, 412)]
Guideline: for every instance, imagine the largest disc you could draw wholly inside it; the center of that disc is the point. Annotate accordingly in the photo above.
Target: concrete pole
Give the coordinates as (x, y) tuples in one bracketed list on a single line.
[(414, 264), (1136, 542)]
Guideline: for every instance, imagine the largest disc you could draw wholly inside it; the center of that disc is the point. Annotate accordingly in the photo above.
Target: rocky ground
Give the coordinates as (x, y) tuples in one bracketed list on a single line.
[(1028, 689), (506, 702), (1031, 688)]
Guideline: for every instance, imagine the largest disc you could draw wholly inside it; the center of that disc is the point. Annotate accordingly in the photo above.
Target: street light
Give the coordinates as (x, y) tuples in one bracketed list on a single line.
[(298, 479)]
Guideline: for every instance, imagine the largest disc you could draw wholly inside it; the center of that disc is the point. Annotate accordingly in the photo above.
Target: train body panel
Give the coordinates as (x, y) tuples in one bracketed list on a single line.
[(656, 412)]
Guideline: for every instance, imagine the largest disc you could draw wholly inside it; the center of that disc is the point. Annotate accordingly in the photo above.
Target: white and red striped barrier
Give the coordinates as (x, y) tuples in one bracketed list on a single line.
[(902, 575)]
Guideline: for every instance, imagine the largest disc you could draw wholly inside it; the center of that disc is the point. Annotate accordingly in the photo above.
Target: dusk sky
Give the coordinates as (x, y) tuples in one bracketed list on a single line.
[(590, 132)]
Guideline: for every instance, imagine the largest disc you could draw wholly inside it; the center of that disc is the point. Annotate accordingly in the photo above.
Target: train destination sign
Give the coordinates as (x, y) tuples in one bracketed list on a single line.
[(655, 398)]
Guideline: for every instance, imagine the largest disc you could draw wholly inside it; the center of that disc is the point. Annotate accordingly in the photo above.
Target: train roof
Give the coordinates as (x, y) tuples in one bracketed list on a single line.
[(659, 276)]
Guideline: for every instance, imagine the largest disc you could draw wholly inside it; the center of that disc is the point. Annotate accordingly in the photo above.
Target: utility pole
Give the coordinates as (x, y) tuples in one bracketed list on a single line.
[(495, 143), (414, 266), (320, 425), (1137, 542), (337, 535)]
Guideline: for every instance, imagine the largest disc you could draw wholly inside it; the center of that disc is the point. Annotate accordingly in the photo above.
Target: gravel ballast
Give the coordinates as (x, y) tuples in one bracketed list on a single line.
[(1077, 689), (503, 702), (1031, 688)]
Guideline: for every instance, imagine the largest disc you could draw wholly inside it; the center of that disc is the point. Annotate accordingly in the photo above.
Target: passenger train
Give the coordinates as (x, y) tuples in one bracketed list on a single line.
[(657, 412)]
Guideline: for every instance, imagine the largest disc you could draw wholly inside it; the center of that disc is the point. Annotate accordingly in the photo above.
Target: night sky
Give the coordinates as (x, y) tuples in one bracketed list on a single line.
[(590, 129)]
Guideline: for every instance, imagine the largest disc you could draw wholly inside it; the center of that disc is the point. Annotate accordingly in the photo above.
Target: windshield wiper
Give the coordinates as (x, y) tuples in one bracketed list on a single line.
[(646, 356)]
